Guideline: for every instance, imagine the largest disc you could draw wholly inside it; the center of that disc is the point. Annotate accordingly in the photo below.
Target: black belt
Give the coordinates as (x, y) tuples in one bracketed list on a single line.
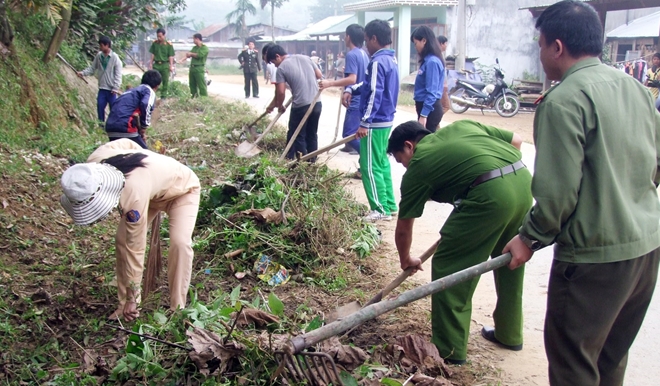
[(497, 173)]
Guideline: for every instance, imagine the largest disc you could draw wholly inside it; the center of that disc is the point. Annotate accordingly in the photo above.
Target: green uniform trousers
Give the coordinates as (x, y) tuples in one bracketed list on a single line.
[(164, 70), (480, 226), (196, 82), (376, 171)]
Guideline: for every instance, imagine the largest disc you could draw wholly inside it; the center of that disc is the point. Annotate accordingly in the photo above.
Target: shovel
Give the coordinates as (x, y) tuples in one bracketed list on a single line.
[(352, 307), (249, 129), (300, 365), (300, 125), (246, 149)]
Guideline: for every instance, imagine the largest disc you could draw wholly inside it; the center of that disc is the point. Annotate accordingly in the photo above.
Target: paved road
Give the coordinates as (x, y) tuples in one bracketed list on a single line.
[(524, 368)]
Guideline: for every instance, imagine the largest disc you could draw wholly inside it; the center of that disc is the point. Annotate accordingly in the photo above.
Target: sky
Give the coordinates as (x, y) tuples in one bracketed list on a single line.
[(293, 14)]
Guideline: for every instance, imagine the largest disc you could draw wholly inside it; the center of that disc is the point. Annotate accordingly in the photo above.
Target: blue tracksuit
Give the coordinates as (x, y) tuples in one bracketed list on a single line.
[(136, 101), (429, 83), (380, 90)]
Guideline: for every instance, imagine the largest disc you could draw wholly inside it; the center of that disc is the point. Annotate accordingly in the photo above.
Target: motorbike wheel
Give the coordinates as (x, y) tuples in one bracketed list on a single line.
[(455, 107), (507, 108)]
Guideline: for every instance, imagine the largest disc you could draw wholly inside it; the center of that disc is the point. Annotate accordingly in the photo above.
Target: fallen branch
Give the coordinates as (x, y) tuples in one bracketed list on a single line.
[(286, 199), (148, 337)]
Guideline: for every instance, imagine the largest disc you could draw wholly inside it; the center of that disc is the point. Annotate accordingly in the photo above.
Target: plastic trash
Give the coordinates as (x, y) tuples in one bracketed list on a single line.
[(271, 272)]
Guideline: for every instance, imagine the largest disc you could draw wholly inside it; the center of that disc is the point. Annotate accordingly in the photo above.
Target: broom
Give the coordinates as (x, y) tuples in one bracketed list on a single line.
[(154, 259)]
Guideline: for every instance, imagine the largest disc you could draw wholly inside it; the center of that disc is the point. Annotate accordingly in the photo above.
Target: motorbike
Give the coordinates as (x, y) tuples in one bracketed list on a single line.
[(475, 94)]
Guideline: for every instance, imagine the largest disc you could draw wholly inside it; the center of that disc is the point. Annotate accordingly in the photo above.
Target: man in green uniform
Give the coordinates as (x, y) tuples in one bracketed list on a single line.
[(478, 169), (162, 59), (196, 74)]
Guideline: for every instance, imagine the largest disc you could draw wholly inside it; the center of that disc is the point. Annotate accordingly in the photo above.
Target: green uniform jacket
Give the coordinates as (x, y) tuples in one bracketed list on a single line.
[(448, 161), (162, 52), (199, 61), (597, 140)]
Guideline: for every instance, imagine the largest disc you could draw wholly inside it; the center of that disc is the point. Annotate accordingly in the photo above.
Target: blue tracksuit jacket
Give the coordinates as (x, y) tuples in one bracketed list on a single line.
[(136, 101), (380, 90)]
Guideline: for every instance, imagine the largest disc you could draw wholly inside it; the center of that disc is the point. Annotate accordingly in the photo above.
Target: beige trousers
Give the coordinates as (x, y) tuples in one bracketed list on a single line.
[(182, 213)]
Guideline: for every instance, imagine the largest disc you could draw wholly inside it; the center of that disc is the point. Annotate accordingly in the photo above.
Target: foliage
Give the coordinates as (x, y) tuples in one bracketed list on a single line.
[(530, 76), (324, 8), (236, 18), (606, 56), (50, 8), (120, 20)]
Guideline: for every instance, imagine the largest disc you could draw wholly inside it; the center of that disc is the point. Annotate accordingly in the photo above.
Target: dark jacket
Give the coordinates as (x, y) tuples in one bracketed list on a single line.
[(122, 122), (250, 61)]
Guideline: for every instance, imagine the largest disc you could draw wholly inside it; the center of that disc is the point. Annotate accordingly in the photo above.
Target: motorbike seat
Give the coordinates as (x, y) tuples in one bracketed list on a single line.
[(477, 84)]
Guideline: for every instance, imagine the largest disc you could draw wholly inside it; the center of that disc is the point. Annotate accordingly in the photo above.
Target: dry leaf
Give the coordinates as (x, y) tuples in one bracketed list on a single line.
[(256, 317), (272, 342), (239, 275), (4, 203), (347, 356), (264, 216), (425, 380), (209, 353), (419, 352)]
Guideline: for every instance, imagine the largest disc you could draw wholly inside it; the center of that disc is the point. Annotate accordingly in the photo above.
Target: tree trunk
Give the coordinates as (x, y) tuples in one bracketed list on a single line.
[(272, 20), (6, 33), (59, 34)]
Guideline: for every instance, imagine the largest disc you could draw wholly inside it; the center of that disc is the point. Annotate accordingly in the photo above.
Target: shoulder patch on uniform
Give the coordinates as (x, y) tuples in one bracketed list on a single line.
[(132, 216)]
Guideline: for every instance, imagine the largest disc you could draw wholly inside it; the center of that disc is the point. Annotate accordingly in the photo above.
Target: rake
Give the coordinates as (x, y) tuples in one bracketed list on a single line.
[(297, 365)]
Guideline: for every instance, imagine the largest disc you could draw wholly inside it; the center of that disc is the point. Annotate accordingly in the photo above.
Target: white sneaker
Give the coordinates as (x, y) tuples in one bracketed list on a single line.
[(374, 216)]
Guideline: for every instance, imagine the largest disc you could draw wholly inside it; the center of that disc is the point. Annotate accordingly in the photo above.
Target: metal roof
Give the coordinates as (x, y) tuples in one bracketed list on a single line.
[(370, 5), (316, 29), (644, 27), (210, 30)]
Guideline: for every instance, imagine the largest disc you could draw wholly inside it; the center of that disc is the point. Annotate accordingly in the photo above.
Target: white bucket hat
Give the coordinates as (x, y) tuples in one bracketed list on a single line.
[(91, 191)]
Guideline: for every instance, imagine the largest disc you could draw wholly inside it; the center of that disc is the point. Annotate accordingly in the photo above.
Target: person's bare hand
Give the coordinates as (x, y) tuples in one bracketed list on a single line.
[(324, 84), (346, 99), (270, 108), (130, 311), (362, 132), (411, 262), (281, 109), (80, 74), (422, 121), (520, 252)]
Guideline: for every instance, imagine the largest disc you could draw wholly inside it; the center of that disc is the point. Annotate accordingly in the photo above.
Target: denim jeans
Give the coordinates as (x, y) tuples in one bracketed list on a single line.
[(103, 99)]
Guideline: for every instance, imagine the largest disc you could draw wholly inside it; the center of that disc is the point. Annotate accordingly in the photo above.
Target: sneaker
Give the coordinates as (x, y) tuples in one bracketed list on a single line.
[(375, 215), (256, 96)]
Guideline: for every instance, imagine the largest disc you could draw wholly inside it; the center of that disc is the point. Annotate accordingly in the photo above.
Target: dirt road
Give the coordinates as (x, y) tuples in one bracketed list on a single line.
[(524, 368)]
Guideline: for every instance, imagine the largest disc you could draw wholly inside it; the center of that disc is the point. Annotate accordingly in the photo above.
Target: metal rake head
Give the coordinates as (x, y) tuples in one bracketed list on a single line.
[(310, 368)]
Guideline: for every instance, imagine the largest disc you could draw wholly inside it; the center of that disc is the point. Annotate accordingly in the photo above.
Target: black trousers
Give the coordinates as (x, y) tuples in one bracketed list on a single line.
[(251, 77), (433, 120), (307, 140), (594, 314)]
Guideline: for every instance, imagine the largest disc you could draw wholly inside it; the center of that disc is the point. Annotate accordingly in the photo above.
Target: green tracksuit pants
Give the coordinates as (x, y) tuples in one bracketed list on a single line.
[(480, 226), (164, 70), (196, 82), (376, 171)]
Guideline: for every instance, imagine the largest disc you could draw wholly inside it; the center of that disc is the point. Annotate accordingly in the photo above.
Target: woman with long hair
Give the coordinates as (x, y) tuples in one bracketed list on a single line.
[(430, 78), (141, 183)]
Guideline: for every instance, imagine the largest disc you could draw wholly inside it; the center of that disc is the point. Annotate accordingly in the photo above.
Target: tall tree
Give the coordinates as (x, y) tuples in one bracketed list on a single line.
[(236, 18), (273, 4)]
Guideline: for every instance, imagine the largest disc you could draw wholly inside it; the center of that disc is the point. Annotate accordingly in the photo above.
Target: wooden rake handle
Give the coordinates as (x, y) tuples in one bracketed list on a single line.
[(300, 125), (402, 276), (322, 150), (272, 124)]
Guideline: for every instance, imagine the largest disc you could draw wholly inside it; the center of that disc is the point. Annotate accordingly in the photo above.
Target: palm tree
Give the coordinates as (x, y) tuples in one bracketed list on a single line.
[(236, 18), (273, 4)]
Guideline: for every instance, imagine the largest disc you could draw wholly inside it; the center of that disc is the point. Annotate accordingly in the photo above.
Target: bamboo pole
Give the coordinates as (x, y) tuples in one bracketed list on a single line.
[(301, 342)]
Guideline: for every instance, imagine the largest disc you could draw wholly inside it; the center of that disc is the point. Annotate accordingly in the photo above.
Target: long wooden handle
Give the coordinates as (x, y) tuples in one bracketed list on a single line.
[(70, 66), (323, 149), (301, 342), (257, 120), (300, 125), (341, 95), (271, 125), (402, 276)]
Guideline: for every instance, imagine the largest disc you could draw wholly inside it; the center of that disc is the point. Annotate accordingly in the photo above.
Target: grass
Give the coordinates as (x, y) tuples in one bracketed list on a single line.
[(224, 69), (406, 98)]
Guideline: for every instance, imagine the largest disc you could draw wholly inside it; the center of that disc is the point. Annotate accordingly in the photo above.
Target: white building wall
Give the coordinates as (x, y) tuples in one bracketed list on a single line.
[(498, 29)]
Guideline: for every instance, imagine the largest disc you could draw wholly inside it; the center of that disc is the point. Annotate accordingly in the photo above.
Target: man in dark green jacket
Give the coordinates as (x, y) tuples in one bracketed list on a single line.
[(596, 171), (251, 65), (197, 64)]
